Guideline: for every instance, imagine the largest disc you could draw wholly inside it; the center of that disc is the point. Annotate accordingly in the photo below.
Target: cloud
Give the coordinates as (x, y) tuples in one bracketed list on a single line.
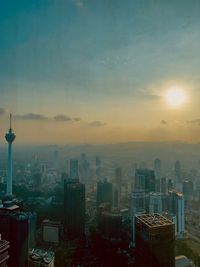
[(163, 122), (60, 118), (31, 116), (78, 3), (76, 119), (195, 121), (34, 116), (2, 111), (96, 124)]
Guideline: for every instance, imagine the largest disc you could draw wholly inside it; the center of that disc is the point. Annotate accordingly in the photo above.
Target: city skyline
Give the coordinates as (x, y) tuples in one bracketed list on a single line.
[(98, 72)]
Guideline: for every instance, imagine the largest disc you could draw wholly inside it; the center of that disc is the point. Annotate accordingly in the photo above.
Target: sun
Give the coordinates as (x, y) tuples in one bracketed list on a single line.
[(175, 97)]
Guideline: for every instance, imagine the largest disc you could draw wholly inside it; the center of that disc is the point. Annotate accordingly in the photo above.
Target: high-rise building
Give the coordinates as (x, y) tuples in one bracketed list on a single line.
[(14, 227), (176, 208), (110, 225), (74, 208), (84, 169), (177, 171), (145, 179), (73, 172), (155, 241), (4, 256), (137, 208), (163, 185), (188, 189), (157, 168), (104, 192), (155, 202), (10, 137), (118, 185)]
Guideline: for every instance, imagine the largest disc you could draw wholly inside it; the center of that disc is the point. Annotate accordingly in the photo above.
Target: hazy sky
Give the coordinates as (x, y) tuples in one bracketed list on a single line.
[(88, 71)]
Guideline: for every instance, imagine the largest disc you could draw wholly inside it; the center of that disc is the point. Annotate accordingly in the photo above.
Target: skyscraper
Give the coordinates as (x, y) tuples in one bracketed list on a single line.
[(73, 172), (155, 203), (145, 179), (177, 171), (118, 184), (14, 227), (177, 209), (10, 137), (74, 208), (157, 168), (84, 169), (155, 241), (104, 192), (137, 208)]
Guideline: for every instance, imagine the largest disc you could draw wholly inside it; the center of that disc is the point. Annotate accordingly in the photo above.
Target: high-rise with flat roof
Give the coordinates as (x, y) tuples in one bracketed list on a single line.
[(155, 241), (74, 208)]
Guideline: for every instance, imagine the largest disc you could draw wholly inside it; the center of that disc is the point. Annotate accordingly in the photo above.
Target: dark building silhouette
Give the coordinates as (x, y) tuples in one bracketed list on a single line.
[(104, 192), (188, 188), (145, 180), (110, 225), (155, 237), (118, 186), (74, 208), (4, 255), (14, 227)]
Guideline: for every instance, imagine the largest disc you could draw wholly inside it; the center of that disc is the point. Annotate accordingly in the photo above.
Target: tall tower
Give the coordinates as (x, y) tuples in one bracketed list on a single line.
[(10, 137)]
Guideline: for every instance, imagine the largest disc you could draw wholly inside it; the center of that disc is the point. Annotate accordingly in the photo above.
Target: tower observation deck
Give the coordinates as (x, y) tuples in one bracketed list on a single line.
[(10, 137)]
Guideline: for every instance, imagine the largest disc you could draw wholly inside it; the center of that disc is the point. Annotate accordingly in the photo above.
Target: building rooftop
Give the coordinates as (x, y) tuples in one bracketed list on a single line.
[(41, 255), (154, 220), (9, 205)]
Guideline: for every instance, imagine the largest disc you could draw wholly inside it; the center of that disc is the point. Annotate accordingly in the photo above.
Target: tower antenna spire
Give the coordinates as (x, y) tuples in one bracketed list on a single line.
[(10, 120)]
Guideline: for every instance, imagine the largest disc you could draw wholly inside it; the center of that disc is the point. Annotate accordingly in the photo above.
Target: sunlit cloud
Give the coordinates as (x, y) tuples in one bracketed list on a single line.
[(195, 121), (96, 124), (60, 118), (31, 116)]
